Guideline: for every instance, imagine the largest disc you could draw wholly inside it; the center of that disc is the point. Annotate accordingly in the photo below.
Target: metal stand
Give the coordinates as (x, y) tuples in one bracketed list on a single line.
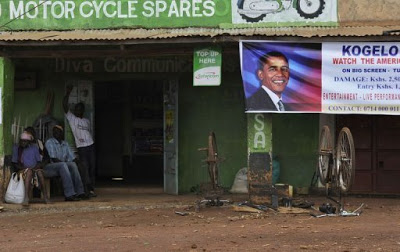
[(341, 211), (212, 196)]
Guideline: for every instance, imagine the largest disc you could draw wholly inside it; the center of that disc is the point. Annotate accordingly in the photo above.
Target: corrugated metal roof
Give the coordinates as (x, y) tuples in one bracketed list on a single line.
[(128, 34)]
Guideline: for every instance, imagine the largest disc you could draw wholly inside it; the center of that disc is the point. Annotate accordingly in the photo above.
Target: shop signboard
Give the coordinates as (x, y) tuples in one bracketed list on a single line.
[(207, 66), (113, 14), (331, 77)]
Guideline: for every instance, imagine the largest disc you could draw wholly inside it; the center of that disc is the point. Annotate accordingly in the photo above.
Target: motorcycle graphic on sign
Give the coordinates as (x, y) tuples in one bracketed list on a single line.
[(256, 10)]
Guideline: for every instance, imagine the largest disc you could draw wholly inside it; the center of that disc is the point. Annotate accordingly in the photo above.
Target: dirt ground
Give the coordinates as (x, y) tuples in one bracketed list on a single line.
[(139, 221)]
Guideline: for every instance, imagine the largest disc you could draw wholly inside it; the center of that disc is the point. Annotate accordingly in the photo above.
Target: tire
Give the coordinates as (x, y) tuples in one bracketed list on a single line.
[(253, 19), (345, 160), (310, 8), (324, 155)]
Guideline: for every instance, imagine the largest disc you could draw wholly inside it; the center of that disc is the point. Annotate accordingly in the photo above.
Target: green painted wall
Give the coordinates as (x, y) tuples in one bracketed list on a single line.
[(7, 102), (204, 109), (295, 142), (30, 103)]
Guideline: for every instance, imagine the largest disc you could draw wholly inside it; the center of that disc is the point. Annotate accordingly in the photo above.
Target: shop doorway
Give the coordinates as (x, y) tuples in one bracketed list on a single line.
[(129, 131), (377, 144)]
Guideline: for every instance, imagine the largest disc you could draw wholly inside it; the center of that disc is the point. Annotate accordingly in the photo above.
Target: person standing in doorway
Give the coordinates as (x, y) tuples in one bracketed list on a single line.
[(81, 130)]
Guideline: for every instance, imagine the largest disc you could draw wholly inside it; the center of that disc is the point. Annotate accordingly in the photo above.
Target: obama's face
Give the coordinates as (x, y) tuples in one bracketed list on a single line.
[(275, 74)]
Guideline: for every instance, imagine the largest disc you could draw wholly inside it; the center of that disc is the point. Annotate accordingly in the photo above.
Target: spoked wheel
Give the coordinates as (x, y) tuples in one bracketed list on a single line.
[(212, 159), (325, 152), (345, 160)]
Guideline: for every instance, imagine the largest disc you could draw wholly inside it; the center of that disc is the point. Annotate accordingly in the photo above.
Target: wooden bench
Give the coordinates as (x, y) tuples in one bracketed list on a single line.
[(47, 185)]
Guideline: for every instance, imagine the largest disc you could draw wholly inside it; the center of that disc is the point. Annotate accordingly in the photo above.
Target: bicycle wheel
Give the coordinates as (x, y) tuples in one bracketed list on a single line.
[(212, 159), (324, 155), (345, 160)]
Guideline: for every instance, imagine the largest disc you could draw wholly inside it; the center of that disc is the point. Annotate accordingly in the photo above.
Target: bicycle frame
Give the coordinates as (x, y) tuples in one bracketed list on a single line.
[(332, 181), (336, 167)]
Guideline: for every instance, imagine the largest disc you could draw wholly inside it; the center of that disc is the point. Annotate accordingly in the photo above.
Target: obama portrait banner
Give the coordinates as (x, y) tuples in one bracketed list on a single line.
[(337, 77)]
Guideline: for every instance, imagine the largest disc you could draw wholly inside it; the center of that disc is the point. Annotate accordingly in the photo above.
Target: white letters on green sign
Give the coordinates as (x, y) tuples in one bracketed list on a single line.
[(259, 136)]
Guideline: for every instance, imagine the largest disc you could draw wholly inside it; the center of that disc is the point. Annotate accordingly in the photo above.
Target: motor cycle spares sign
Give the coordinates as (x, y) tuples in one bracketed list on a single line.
[(103, 14), (336, 78), (207, 66), (99, 14)]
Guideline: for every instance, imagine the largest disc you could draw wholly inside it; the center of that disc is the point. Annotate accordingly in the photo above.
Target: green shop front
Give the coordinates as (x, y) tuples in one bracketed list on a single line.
[(139, 104), (131, 63)]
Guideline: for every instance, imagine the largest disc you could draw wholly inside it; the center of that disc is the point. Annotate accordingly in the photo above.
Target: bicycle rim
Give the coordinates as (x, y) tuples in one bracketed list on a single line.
[(345, 160), (324, 154)]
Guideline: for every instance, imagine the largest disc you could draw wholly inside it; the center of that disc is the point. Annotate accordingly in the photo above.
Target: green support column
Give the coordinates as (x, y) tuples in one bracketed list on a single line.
[(7, 105), (259, 137), (6, 110)]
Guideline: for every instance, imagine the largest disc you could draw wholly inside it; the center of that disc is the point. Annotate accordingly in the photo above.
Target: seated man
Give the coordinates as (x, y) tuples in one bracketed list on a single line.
[(26, 158), (36, 141), (62, 164)]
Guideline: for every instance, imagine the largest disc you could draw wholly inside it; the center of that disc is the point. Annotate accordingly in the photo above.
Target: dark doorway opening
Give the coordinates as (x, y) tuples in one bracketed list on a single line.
[(377, 144), (129, 131)]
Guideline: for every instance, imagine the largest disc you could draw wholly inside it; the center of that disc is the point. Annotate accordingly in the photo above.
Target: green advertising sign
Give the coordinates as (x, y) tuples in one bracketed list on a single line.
[(207, 66), (102, 14), (259, 131)]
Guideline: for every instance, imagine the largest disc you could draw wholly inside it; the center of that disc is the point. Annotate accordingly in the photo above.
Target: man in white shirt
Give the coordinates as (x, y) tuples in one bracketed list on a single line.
[(274, 74), (81, 130)]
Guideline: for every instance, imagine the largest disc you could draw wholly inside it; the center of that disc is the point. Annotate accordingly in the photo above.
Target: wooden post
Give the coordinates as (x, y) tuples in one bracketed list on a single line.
[(259, 142)]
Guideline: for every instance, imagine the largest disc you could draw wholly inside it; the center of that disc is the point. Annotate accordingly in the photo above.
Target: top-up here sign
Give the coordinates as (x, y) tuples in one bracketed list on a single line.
[(207, 66)]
